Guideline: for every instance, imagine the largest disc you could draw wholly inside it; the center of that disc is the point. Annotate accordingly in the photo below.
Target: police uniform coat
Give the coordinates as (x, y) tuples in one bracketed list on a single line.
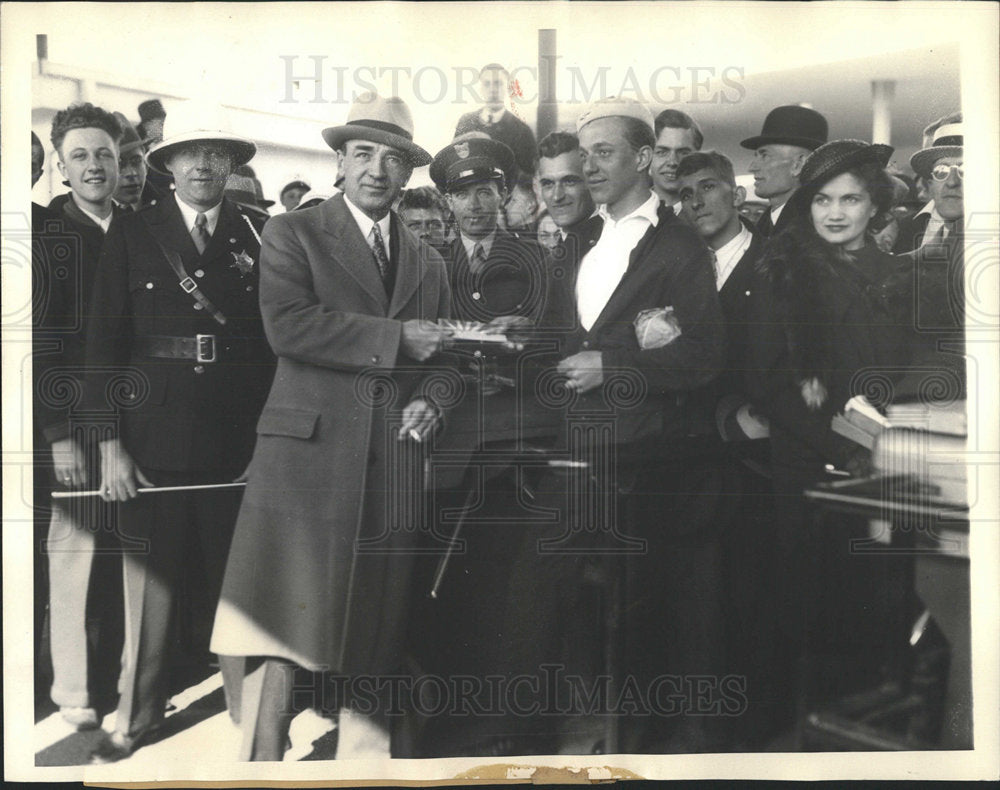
[(318, 572), (184, 421), (179, 416)]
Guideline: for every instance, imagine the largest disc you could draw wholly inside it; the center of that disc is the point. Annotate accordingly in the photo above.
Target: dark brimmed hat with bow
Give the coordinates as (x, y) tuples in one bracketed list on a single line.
[(379, 120), (473, 157), (791, 125), (833, 159)]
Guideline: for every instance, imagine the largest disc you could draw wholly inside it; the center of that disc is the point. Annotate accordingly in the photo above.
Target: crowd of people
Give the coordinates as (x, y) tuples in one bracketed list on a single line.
[(589, 331)]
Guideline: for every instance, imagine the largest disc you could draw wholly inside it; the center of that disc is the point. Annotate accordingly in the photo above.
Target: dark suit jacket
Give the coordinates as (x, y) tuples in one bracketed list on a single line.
[(911, 233), (66, 244), (509, 130), (766, 229), (644, 389), (179, 415), (512, 280), (735, 300)]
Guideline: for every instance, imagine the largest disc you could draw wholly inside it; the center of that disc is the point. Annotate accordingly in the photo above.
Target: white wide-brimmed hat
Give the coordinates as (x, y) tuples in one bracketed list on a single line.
[(379, 120), (948, 141), (195, 121)]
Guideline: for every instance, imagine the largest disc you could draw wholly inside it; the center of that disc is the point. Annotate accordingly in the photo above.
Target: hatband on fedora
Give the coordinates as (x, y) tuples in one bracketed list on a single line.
[(948, 141), (791, 125), (193, 122), (378, 119)]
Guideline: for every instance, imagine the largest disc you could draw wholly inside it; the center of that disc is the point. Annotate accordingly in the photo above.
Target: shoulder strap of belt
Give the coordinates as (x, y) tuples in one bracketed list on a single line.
[(188, 285)]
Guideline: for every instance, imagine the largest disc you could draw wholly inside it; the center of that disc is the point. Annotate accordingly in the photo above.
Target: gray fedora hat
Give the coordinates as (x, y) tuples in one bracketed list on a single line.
[(379, 120)]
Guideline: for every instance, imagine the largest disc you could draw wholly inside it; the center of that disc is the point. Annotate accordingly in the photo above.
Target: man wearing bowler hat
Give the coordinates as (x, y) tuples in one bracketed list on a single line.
[(789, 135), (177, 357), (318, 574)]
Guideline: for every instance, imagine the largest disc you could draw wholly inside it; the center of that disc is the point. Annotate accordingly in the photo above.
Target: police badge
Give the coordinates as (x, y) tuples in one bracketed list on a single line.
[(242, 262)]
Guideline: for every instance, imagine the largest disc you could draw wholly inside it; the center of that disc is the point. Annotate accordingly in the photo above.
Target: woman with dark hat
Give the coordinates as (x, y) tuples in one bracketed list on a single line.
[(824, 329)]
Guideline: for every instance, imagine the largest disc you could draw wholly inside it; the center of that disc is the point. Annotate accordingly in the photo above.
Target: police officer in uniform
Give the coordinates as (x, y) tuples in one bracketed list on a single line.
[(494, 273), (177, 348)]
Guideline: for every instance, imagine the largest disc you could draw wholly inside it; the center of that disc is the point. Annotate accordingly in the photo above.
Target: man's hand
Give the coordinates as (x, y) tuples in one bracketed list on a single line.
[(515, 327), (422, 339), (583, 371), (419, 418), (70, 466), (119, 474)]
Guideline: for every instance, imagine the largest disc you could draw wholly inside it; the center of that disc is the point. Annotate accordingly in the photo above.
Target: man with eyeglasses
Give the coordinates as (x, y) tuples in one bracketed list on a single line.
[(176, 354), (938, 263), (939, 163)]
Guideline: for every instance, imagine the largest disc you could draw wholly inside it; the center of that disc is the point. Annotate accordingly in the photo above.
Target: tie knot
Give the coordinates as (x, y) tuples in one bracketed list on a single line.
[(200, 220), (376, 233)]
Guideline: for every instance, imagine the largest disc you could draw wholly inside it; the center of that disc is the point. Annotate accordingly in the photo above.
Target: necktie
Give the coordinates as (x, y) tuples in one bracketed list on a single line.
[(715, 265), (200, 233), (378, 249), (478, 257)]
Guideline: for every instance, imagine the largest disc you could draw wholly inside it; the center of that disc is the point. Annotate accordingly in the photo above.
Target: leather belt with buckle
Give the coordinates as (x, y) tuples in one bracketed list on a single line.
[(202, 349)]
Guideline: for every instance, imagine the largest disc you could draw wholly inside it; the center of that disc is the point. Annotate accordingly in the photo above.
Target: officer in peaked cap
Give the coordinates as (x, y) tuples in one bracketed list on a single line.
[(176, 349), (494, 274)]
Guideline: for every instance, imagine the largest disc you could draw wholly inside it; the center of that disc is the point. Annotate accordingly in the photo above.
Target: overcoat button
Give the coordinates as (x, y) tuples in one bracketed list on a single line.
[(199, 272), (199, 368), (249, 288), (232, 241), (476, 295), (586, 344), (197, 306), (149, 286), (376, 359)]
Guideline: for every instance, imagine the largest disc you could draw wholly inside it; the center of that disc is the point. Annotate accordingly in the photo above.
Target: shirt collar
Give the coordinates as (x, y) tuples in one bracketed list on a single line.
[(484, 116), (487, 243), (931, 209), (190, 214), (649, 210), (365, 223), (776, 212), (103, 224)]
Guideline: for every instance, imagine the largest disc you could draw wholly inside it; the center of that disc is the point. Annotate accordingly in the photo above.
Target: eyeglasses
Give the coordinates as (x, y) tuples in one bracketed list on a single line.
[(943, 172)]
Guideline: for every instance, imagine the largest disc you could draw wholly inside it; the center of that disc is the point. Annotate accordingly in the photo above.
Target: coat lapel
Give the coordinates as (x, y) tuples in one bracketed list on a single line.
[(409, 266), (224, 230), (351, 251), (168, 224)]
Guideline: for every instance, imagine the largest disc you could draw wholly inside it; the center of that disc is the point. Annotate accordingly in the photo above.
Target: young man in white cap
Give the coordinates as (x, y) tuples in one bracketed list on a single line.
[(644, 310), (318, 573), (176, 353)]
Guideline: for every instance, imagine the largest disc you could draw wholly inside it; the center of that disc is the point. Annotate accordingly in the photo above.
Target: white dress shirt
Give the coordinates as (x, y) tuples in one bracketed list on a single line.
[(775, 213), (934, 224), (103, 224), (602, 268), (470, 246), (366, 223), (190, 214), (488, 116), (729, 254)]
